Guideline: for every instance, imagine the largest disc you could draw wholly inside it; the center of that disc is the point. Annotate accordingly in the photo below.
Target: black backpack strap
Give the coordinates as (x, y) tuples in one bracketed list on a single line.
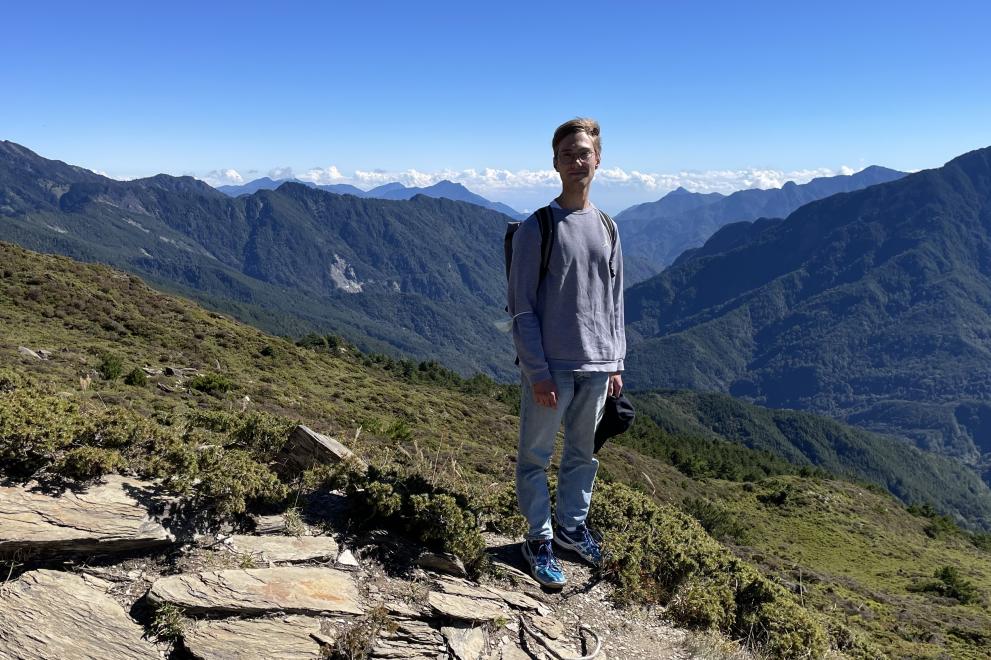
[(545, 218), (611, 230)]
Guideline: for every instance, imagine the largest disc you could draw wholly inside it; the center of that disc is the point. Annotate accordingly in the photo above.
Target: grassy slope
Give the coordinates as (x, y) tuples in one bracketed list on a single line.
[(857, 553), (914, 476), (864, 547)]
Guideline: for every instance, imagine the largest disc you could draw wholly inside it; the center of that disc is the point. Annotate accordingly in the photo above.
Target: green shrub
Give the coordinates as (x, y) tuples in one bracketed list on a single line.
[(261, 433), (89, 462), (356, 639), (213, 384), (231, 479), (940, 527), (111, 366), (715, 519), (168, 622), (441, 519), (440, 522), (657, 554), (951, 584), (502, 512), (34, 430), (136, 377), (10, 381), (703, 604)]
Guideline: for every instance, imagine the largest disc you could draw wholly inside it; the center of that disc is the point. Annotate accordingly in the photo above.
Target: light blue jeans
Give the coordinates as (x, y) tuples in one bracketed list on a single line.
[(581, 396)]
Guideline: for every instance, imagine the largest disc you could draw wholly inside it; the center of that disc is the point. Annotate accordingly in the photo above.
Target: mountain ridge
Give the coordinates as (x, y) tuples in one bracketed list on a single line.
[(295, 259), (865, 306), (658, 232)]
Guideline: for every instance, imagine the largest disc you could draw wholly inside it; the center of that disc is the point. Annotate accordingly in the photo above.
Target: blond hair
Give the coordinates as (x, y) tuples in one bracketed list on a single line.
[(578, 125)]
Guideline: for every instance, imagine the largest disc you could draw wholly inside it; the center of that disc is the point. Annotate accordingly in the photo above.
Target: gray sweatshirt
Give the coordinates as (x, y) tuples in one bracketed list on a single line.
[(574, 320)]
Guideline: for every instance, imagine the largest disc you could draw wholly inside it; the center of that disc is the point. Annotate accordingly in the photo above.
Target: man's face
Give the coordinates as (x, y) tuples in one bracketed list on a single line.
[(576, 160)]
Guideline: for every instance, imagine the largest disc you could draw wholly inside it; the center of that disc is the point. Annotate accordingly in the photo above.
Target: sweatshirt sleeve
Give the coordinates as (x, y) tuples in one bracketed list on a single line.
[(524, 279), (618, 302)]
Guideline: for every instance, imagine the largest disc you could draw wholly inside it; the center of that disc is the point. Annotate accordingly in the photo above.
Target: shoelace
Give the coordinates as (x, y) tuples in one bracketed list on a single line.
[(588, 542), (545, 556)]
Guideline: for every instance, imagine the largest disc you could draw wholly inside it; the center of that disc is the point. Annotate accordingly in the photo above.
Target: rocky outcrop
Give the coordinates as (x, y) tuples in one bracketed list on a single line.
[(51, 614), (284, 549), (442, 562), (307, 448), (411, 640), (102, 519), (310, 590), (285, 638), (467, 608), (465, 643)]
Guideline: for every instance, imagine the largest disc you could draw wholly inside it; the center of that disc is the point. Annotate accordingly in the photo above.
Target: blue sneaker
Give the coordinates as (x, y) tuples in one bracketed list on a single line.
[(544, 566), (581, 542)]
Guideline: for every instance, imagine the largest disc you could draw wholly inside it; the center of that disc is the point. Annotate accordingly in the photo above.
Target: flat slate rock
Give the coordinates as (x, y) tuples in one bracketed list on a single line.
[(463, 588), (105, 518), (53, 614), (291, 589), (284, 638), (466, 608), (284, 548), (465, 643), (442, 562), (516, 599), (411, 640), (307, 448)]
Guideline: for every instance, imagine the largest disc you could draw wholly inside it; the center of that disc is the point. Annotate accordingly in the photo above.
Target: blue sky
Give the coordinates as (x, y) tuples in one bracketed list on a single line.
[(714, 96)]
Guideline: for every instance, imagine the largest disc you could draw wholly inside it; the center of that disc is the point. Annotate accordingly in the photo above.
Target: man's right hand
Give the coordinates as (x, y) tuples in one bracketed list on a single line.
[(545, 393)]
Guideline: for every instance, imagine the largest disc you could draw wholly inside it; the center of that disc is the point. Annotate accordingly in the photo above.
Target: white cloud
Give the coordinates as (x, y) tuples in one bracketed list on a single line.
[(228, 177), (323, 175), (524, 188), (278, 173)]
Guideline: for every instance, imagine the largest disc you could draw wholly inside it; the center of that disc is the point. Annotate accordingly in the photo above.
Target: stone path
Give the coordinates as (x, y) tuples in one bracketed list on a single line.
[(297, 590), (52, 614), (103, 519), (283, 638)]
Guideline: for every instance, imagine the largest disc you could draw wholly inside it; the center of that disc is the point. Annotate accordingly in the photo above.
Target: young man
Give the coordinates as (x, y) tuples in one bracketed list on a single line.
[(569, 336)]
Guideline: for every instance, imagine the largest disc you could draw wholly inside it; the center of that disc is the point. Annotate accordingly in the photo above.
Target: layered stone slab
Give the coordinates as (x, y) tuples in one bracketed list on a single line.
[(306, 448), (411, 640), (465, 643), (102, 519), (52, 614), (284, 638), (467, 608), (292, 589), (285, 548)]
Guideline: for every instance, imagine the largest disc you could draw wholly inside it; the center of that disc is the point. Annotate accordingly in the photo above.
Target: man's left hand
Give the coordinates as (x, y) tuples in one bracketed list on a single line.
[(615, 384)]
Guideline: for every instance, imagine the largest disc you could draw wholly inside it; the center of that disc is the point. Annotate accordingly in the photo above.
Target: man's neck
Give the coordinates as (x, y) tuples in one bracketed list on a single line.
[(574, 200)]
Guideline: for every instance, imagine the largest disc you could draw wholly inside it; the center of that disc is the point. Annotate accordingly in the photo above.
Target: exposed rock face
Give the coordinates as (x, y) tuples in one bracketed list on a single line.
[(412, 640), (105, 518), (466, 608), (307, 448), (51, 614), (465, 643), (442, 562), (284, 548), (284, 638), (295, 590)]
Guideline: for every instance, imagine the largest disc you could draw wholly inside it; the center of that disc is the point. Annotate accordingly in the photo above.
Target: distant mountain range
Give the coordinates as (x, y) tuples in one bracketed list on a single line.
[(423, 277), (395, 190), (871, 306), (656, 233)]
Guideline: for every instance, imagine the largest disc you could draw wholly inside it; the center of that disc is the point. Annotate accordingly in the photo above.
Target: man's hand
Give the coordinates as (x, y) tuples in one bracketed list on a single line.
[(545, 393), (615, 384)]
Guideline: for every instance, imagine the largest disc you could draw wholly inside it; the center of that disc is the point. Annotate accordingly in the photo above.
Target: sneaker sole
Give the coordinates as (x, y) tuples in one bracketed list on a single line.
[(533, 572)]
